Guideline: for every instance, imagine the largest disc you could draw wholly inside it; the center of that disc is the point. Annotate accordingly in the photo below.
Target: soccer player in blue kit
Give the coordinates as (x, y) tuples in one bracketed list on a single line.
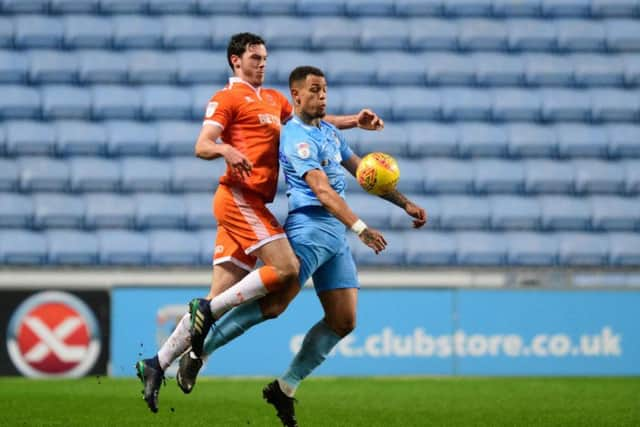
[(312, 156)]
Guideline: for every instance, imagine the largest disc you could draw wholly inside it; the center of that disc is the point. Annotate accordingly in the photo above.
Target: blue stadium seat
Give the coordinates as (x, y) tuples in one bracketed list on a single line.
[(369, 7), (413, 8), (583, 249), (631, 69), (199, 66), (200, 95), (87, 32), (109, 211), (52, 210), (514, 213), (465, 104), (384, 33), (449, 69), (610, 213), (333, 32), (624, 140), (497, 176), (393, 140), (580, 35), (16, 210), (192, 174), (632, 169), (123, 6), (34, 31), (287, 33), (431, 248), (480, 139), (3, 141), (350, 68), (74, 6), (598, 70), (531, 35), (393, 255), (479, 248), (13, 67), (431, 139), (80, 138), (565, 104), (177, 137), (321, 7), (174, 248), (413, 103), (614, 7), (377, 99), (185, 32), (581, 140), (525, 248), (128, 137), (152, 67), (548, 70), (207, 240), (565, 213), (547, 176), (528, 140), (103, 67), (482, 34), (65, 102), (286, 60), (137, 32), (572, 8), (199, 210), (6, 32), (437, 34), (160, 211), (517, 7), (94, 174), (72, 248), (396, 68), (143, 174), (372, 210), (400, 220), (615, 105), (498, 70), (115, 102), (121, 247), (622, 35), (223, 27), (172, 6), (412, 181), (29, 137), (464, 212), (271, 7), (624, 249), (516, 104), (50, 66), (448, 176), (24, 6), (19, 102), (8, 175), (22, 247), (467, 7), (165, 103), (599, 176)]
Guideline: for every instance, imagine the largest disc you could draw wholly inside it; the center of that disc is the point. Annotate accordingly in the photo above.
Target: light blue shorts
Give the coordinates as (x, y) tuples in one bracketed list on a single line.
[(319, 241)]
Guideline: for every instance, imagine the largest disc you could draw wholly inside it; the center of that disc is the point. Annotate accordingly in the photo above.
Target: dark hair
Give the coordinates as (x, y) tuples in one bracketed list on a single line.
[(301, 73), (238, 44)]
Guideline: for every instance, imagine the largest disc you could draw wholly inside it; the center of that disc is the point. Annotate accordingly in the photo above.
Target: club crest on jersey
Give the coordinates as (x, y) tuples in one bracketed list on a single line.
[(211, 108), (248, 99), (304, 151)]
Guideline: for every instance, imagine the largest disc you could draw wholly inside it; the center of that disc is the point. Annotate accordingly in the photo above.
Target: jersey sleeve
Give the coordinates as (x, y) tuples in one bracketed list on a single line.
[(219, 110), (301, 153)]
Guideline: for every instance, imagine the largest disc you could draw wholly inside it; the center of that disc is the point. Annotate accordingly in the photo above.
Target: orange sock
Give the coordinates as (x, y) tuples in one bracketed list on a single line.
[(270, 278)]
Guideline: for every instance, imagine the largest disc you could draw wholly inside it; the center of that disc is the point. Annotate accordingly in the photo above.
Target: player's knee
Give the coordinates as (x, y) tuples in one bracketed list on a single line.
[(288, 271), (274, 309), (344, 327)]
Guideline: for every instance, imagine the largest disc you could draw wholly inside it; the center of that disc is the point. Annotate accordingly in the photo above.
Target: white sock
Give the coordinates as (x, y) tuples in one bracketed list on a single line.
[(287, 388), (247, 289), (177, 343)]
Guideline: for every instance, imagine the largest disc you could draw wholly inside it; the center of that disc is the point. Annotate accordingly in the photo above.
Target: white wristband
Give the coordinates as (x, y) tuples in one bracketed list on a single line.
[(358, 227)]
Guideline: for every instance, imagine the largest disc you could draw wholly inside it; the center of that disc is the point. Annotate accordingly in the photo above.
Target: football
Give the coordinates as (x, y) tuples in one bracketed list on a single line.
[(378, 173)]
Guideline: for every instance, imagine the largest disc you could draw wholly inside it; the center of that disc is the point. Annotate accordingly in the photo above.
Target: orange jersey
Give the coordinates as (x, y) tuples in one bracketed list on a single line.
[(250, 120)]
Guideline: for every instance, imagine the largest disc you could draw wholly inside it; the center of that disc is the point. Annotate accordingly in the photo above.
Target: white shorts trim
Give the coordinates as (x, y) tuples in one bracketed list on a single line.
[(263, 242), (233, 261), (213, 123)]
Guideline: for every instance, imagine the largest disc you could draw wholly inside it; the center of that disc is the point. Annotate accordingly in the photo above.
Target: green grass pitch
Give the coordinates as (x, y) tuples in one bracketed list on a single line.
[(329, 402)]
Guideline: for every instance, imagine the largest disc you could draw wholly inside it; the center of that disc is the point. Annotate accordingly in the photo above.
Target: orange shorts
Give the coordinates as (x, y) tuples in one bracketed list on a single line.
[(244, 225)]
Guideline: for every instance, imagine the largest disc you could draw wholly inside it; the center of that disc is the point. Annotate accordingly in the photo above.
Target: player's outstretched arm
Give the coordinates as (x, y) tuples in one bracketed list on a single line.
[(319, 184), (206, 148), (394, 196), (365, 119)]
